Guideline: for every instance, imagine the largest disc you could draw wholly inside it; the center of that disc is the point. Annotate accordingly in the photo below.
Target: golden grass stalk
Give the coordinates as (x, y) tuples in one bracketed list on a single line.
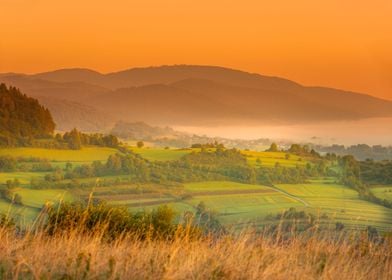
[(76, 255)]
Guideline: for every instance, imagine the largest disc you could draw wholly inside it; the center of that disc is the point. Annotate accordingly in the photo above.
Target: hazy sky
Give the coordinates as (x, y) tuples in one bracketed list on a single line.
[(340, 43)]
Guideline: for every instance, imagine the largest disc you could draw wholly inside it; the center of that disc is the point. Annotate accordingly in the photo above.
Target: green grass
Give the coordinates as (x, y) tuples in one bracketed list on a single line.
[(23, 177), (236, 202), (269, 159), (161, 154), (85, 155), (239, 208), (342, 204), (33, 200), (383, 191), (179, 207), (221, 186), (23, 215), (319, 190), (37, 198)]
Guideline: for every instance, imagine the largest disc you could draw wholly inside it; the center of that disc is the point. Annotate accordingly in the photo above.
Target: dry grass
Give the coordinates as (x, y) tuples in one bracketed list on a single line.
[(247, 256)]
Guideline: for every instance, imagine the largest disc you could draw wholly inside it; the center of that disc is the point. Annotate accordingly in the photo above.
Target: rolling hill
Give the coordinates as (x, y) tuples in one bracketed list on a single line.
[(195, 95)]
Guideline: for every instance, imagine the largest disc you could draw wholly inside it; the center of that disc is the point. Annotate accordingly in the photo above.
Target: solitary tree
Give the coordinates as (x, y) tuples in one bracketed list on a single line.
[(273, 148), (75, 141), (140, 144)]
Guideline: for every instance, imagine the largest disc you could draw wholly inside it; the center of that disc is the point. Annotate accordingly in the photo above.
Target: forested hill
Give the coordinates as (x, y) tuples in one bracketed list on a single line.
[(22, 118)]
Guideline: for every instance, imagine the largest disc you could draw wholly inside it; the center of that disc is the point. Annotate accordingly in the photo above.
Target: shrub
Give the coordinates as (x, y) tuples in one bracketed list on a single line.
[(110, 222)]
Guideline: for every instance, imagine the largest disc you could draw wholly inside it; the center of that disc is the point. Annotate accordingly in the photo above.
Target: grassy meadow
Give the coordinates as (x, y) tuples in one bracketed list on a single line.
[(383, 191), (342, 204), (269, 159), (161, 154), (244, 256)]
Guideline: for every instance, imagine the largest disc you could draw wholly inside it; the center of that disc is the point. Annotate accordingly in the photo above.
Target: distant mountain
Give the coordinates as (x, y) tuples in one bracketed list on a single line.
[(22, 118), (69, 90), (68, 115), (165, 75), (198, 95)]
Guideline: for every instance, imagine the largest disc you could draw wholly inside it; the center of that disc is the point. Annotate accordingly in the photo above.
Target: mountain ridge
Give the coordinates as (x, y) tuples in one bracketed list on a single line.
[(199, 95)]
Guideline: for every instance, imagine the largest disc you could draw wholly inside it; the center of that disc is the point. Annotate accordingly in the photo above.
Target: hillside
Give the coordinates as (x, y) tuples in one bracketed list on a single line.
[(141, 130), (69, 114), (198, 95), (22, 117)]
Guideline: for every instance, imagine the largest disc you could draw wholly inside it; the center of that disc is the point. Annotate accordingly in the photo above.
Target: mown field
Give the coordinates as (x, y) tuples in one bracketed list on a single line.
[(383, 191), (341, 203)]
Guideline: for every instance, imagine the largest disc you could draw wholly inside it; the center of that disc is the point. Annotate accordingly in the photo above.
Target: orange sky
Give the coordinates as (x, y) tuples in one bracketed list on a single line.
[(340, 43)]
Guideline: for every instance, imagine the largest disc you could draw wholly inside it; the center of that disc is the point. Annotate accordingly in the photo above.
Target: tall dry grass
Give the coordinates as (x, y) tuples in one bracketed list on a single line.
[(75, 255)]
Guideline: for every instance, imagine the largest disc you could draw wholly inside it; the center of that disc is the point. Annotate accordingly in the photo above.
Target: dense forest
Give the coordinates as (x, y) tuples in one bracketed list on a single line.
[(22, 118)]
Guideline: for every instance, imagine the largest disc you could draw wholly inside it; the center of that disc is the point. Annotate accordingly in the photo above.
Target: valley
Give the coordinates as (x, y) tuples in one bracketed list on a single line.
[(236, 205)]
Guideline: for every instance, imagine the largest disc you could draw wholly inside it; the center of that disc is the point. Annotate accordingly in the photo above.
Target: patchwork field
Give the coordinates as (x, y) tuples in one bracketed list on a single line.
[(24, 178), (235, 204), (342, 204), (269, 159)]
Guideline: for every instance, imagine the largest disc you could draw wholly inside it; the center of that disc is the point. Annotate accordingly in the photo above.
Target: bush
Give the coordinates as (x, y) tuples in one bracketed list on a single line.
[(6, 222), (110, 222)]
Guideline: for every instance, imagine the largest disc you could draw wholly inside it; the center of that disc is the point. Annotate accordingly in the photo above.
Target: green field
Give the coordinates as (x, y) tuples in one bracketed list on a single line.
[(342, 204), (161, 154), (23, 177), (85, 155), (24, 215), (236, 204), (220, 186), (383, 191), (56, 157), (38, 198), (269, 159), (33, 201)]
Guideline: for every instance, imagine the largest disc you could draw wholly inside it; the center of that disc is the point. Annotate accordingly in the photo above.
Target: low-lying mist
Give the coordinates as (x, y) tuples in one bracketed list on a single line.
[(368, 131)]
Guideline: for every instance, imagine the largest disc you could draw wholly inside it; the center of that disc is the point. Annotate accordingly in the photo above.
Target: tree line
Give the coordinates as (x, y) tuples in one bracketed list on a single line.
[(206, 165)]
